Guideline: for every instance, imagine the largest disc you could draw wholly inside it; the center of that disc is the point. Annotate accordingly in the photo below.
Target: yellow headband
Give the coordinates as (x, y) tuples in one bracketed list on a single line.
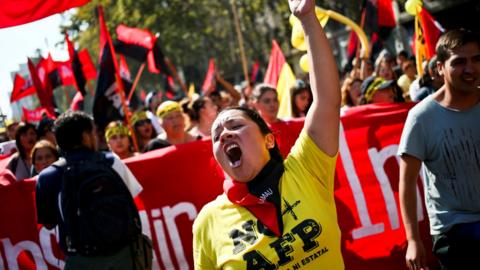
[(168, 107), (141, 115), (117, 130), (372, 88)]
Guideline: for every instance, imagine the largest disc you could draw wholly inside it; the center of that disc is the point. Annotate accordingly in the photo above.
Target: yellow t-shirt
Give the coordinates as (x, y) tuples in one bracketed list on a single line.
[(228, 236)]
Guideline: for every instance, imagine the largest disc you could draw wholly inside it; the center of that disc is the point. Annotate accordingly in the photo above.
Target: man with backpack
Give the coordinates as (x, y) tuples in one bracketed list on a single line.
[(89, 195)]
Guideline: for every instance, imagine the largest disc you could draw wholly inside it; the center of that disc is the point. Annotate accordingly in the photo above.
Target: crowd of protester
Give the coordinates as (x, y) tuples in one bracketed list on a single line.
[(162, 123)]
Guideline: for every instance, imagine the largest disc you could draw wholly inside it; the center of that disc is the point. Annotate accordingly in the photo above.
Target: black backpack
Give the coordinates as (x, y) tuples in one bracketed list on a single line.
[(99, 214)]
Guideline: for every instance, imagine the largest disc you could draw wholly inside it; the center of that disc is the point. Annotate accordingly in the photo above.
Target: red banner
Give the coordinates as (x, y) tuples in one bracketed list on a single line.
[(19, 12), (34, 116), (179, 180)]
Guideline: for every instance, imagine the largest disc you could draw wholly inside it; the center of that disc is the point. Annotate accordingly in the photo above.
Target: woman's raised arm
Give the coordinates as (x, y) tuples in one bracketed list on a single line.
[(322, 120)]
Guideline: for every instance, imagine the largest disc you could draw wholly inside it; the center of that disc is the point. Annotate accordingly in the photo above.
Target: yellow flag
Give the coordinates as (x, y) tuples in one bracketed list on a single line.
[(285, 81), (420, 48)]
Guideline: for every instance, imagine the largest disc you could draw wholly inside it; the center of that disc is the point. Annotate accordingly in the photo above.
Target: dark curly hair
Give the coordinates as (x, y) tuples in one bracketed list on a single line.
[(69, 128)]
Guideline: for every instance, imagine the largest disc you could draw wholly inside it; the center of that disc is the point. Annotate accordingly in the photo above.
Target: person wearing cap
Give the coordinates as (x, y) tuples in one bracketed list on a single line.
[(377, 90), (173, 122), (443, 132), (118, 139), (143, 129)]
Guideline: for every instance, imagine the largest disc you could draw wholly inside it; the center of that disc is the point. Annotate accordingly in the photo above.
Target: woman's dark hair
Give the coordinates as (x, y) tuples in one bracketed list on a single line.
[(69, 128), (22, 128), (299, 87), (264, 129), (192, 108)]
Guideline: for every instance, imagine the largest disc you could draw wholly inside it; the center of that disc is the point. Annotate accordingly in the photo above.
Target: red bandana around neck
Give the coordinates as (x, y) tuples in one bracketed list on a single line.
[(261, 196)]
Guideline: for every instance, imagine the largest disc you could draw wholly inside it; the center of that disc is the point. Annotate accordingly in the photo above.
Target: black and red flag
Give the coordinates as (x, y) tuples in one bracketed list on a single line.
[(45, 94), (20, 12), (65, 71), (109, 103), (142, 46), (48, 73), (134, 42), (77, 68)]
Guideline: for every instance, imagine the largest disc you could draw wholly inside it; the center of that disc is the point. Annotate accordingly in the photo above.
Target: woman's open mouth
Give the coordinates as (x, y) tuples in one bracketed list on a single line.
[(234, 154)]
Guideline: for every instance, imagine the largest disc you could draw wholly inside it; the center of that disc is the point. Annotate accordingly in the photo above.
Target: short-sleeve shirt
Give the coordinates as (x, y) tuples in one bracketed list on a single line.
[(228, 236), (448, 143)]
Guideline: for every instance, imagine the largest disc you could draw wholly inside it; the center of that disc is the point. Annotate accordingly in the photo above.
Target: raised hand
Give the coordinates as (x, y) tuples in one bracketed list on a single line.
[(301, 7)]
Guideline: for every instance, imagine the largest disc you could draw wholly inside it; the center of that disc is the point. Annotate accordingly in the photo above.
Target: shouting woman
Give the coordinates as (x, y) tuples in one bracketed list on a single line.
[(277, 213)]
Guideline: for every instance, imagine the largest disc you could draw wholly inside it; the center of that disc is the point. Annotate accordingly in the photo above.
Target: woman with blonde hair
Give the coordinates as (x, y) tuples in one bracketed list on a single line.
[(44, 153)]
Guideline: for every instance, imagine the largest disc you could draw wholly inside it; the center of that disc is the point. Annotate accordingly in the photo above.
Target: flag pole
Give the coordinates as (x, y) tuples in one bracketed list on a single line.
[(240, 41), (135, 82), (120, 88)]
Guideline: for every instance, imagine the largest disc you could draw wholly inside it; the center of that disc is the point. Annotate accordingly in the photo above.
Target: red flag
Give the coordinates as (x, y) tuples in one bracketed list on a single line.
[(20, 12), (22, 88), (431, 32), (385, 14), (45, 95), (275, 64), (210, 77), (88, 67), (47, 72)]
